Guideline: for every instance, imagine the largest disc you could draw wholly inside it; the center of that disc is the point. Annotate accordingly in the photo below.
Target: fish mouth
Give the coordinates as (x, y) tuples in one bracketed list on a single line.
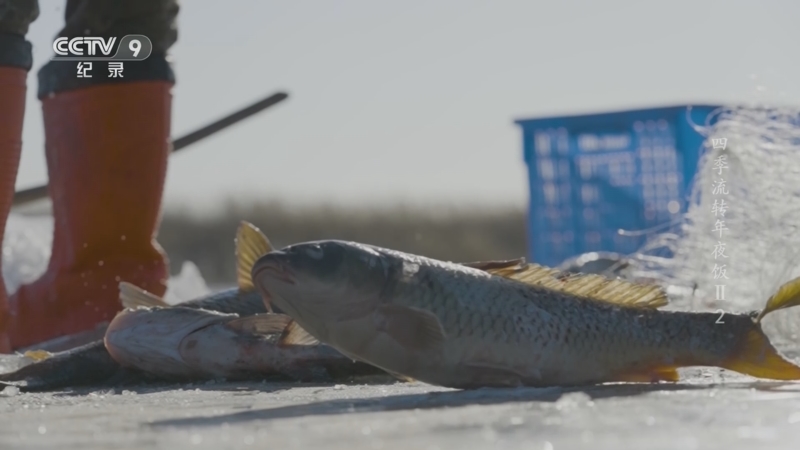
[(274, 268)]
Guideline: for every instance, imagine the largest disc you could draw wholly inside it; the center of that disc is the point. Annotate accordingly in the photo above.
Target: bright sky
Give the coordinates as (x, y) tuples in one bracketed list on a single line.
[(414, 100)]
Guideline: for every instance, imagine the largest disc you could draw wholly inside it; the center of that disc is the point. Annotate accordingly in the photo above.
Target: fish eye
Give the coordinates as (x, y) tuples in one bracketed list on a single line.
[(315, 251)]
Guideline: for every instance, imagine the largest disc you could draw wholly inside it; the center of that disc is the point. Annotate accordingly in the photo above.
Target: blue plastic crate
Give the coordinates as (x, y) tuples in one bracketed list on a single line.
[(592, 175)]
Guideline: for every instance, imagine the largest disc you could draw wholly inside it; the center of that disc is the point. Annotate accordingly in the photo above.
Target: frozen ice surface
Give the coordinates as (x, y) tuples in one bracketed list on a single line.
[(26, 251), (702, 414)]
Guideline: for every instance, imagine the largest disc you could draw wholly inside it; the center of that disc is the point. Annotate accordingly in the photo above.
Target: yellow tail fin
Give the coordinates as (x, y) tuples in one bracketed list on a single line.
[(787, 296), (758, 358)]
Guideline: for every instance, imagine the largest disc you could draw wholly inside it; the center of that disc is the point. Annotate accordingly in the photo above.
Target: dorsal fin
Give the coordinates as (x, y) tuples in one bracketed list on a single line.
[(595, 287), (132, 296), (251, 244)]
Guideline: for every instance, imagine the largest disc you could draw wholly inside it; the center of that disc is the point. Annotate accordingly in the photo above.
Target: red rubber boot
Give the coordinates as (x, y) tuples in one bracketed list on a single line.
[(107, 148), (12, 111)]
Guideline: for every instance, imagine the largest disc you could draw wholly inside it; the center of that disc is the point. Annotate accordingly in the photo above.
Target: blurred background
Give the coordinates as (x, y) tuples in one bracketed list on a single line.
[(399, 128)]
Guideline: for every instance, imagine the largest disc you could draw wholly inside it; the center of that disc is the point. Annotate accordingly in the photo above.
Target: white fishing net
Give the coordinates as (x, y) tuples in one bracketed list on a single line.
[(759, 246)]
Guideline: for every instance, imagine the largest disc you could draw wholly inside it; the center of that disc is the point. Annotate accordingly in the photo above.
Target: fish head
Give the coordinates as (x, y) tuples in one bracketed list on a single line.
[(149, 338), (324, 282)]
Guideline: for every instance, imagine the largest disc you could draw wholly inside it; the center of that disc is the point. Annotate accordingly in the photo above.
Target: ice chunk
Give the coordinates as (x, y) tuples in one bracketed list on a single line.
[(13, 362), (9, 391), (26, 249), (187, 285)]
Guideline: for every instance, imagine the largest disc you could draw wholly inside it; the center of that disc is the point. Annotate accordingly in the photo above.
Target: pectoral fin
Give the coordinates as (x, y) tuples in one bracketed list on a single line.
[(490, 375), (294, 334), (415, 329)]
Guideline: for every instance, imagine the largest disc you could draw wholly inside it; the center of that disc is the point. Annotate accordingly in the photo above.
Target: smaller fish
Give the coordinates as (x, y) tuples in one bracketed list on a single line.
[(173, 342), (181, 343)]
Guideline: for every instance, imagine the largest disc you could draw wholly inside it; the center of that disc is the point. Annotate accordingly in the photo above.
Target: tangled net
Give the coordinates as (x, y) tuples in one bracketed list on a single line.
[(760, 166)]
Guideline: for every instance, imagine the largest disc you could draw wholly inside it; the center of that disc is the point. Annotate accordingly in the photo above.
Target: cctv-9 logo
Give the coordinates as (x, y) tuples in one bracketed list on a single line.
[(132, 47)]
